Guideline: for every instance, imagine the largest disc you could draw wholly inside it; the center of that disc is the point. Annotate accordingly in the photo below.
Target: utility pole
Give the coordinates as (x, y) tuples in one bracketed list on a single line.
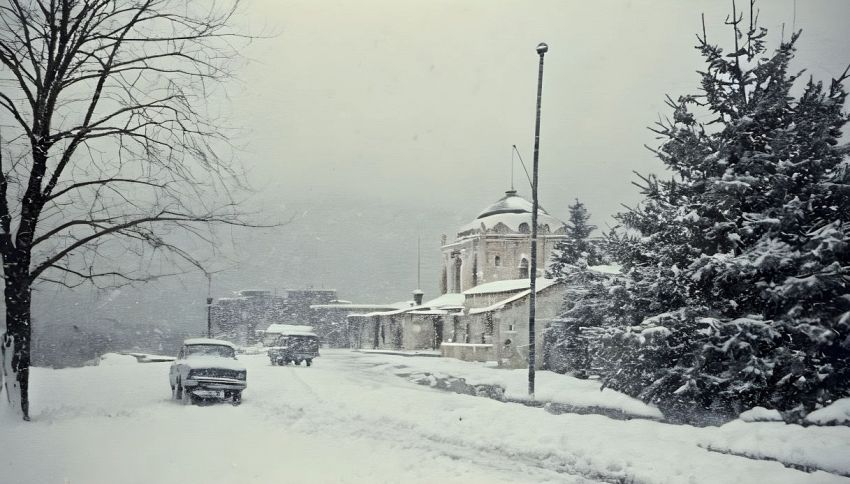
[(542, 48), (209, 305)]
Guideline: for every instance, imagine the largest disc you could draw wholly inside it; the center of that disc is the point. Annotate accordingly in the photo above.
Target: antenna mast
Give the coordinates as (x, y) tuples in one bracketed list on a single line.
[(512, 167), (418, 261)]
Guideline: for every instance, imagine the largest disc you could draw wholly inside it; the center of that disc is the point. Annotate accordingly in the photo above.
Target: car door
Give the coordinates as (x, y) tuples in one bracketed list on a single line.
[(175, 370)]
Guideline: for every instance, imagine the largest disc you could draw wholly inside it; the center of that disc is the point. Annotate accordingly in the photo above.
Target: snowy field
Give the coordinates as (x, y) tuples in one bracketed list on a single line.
[(358, 418)]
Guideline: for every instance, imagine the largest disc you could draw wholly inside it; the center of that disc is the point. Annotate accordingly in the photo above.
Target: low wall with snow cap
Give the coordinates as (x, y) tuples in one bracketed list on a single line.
[(468, 351)]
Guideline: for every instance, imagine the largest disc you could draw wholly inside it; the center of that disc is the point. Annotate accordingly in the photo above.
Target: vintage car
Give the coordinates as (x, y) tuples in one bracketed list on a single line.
[(295, 346), (206, 369)]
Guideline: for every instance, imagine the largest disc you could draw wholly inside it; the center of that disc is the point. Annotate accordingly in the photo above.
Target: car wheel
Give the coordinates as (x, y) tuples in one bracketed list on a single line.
[(177, 391), (298, 362), (274, 362), (236, 398), (187, 398), (309, 362)]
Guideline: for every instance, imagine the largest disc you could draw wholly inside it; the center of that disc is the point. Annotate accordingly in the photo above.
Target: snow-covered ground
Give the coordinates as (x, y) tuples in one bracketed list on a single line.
[(350, 418)]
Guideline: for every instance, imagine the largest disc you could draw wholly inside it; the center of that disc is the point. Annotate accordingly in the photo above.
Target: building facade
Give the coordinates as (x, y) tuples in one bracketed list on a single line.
[(482, 313), (496, 246)]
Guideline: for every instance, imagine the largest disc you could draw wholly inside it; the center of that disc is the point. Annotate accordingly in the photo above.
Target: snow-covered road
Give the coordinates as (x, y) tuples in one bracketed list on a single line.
[(346, 419)]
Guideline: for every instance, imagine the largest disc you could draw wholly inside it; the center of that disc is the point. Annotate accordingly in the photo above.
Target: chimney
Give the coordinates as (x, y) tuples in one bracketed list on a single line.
[(417, 297)]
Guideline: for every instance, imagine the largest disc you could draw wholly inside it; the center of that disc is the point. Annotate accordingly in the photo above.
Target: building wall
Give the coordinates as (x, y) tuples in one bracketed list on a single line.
[(333, 326), (467, 352), (238, 319), (477, 255), (511, 323), (420, 331)]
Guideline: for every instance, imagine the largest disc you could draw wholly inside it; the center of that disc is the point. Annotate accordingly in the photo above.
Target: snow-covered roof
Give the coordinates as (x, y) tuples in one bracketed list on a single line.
[(253, 293), (277, 328), (515, 297), (210, 361), (508, 285), (387, 309), (353, 306), (229, 299), (430, 312), (446, 300), (208, 341), (510, 211)]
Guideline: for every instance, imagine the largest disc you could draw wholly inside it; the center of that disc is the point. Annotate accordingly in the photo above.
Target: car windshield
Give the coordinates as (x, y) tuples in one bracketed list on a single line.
[(209, 350)]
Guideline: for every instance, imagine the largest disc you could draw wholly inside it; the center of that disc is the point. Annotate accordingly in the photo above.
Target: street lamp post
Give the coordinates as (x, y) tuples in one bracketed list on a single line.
[(542, 48), (209, 305)]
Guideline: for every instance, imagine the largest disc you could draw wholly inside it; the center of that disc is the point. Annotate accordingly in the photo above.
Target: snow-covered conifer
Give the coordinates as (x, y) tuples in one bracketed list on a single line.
[(741, 266), (576, 246)]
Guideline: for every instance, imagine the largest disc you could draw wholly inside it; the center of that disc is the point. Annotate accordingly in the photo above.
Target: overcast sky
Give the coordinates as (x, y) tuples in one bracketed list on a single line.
[(420, 102), (374, 122)]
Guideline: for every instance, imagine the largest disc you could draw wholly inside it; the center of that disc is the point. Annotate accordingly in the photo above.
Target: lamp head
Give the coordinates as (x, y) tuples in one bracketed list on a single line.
[(542, 48)]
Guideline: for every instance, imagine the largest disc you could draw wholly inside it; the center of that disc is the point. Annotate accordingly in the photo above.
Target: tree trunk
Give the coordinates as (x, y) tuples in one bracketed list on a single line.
[(16, 343)]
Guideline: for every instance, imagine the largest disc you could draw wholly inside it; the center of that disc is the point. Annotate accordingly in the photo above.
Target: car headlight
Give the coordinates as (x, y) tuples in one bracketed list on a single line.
[(242, 375)]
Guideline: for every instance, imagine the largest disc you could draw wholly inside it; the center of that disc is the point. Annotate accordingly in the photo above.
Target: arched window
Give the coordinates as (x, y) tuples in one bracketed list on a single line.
[(497, 261), (523, 228), (523, 268)]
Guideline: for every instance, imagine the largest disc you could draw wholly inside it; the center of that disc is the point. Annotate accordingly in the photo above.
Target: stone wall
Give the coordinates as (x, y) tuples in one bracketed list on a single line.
[(478, 258), (467, 351)]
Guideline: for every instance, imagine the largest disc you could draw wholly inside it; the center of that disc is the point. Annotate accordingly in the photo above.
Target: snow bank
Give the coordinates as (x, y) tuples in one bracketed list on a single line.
[(151, 358), (760, 414), (837, 413), (552, 387), (808, 448), (115, 359)]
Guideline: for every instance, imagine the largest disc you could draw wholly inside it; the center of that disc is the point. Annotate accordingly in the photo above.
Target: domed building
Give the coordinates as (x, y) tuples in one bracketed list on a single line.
[(496, 246), (482, 311)]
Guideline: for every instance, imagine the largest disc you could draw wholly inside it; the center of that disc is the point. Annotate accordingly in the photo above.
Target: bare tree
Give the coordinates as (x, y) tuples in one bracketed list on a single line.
[(107, 145)]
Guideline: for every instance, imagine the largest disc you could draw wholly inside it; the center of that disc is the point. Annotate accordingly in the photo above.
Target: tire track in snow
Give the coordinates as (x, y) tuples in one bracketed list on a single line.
[(313, 405)]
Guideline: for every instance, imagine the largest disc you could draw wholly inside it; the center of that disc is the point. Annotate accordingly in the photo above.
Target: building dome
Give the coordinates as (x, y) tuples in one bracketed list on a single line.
[(511, 214)]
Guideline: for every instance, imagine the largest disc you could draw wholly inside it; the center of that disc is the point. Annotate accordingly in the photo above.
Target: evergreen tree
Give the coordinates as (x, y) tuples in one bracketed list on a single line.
[(740, 266), (566, 349), (576, 247)]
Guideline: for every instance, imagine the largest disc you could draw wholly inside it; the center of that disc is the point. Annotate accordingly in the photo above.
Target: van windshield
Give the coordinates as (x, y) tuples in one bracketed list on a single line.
[(299, 342)]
